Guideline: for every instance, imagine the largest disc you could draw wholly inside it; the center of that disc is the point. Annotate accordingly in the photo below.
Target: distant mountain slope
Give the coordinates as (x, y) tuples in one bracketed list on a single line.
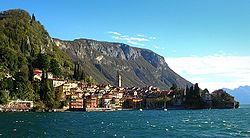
[(241, 94), (138, 67)]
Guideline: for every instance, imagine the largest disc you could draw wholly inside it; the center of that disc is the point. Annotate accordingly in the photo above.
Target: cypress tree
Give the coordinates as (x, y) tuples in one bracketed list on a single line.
[(78, 71), (74, 75), (196, 89), (33, 18), (174, 87)]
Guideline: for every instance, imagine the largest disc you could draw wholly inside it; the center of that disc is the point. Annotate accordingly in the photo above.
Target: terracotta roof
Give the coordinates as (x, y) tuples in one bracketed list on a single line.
[(37, 71)]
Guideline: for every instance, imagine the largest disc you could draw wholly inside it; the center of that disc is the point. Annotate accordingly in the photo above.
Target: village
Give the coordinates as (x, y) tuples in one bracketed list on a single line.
[(105, 97)]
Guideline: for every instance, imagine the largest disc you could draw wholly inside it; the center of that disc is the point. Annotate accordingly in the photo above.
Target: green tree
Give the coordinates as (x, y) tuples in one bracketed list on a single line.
[(47, 93), (196, 90), (22, 87), (193, 98), (8, 59), (36, 88), (4, 96), (55, 67), (43, 61), (79, 73), (89, 79), (33, 18), (82, 77), (6, 84), (173, 87)]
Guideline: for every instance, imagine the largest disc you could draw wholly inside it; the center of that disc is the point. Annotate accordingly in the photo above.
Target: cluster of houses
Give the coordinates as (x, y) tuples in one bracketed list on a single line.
[(92, 97), (99, 97)]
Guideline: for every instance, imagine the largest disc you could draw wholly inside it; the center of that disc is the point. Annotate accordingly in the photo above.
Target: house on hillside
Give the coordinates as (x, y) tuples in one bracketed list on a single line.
[(38, 75), (57, 83)]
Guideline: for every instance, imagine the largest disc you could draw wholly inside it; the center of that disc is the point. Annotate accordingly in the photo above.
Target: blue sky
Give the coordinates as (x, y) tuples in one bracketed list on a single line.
[(200, 31)]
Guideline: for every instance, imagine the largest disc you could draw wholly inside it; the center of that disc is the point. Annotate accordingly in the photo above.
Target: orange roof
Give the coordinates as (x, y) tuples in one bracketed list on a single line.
[(37, 71)]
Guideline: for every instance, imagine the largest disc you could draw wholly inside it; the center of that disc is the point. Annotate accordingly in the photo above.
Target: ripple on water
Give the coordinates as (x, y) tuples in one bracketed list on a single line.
[(153, 126), (185, 120), (129, 124), (20, 121), (206, 122)]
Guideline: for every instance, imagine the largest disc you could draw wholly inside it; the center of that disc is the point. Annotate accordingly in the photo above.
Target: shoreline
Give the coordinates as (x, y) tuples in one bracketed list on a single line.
[(102, 110)]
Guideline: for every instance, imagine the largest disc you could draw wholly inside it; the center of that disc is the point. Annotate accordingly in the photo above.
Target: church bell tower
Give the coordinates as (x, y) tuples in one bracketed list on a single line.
[(119, 79)]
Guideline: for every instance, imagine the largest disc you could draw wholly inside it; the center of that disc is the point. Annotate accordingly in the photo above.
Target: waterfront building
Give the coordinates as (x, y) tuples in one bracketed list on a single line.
[(76, 103), (16, 105), (76, 98)]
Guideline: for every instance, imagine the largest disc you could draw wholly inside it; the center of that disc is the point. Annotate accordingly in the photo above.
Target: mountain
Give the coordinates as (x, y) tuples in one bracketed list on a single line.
[(138, 67), (241, 94), (25, 43)]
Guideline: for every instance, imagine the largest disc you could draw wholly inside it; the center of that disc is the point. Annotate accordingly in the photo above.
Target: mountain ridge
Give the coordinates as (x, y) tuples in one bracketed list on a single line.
[(242, 93), (145, 66)]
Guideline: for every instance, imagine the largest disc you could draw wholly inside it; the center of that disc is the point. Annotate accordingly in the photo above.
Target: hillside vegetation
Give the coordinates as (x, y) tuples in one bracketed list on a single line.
[(24, 46)]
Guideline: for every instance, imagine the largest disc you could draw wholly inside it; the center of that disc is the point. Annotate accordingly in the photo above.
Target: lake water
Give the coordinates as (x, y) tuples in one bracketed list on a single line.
[(148, 123)]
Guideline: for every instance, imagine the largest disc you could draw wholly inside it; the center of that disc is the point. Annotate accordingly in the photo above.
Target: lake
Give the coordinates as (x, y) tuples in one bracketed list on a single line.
[(148, 123)]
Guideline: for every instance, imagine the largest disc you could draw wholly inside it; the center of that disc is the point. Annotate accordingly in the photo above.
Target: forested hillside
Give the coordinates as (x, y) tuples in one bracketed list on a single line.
[(25, 45)]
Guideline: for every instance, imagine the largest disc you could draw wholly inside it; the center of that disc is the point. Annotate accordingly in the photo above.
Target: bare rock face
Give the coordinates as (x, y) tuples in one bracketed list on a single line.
[(138, 67)]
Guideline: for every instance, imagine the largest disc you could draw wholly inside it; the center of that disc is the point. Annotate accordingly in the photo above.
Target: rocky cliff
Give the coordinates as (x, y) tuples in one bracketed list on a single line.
[(138, 67)]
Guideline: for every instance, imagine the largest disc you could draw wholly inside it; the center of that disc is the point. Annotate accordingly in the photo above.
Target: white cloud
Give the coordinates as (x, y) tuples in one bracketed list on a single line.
[(127, 38), (213, 72), (157, 47), (114, 33), (132, 42), (140, 35), (138, 39)]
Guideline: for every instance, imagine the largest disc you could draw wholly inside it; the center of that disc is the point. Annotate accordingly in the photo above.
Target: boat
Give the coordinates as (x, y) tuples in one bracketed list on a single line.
[(165, 109), (140, 110)]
